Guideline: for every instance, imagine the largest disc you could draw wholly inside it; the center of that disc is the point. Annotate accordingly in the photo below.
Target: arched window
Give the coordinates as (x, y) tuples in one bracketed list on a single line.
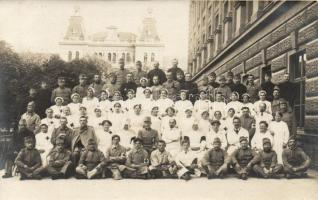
[(114, 57), (152, 57), (76, 55), (123, 56), (145, 58), (128, 57), (109, 57), (69, 56)]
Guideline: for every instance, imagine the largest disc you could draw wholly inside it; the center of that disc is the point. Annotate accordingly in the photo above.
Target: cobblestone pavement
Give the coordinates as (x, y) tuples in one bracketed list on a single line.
[(197, 188)]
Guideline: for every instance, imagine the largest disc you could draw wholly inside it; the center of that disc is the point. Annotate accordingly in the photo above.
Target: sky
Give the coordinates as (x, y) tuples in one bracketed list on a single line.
[(38, 26)]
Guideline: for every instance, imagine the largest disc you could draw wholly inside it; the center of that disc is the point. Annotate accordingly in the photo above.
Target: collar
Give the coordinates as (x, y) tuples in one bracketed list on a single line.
[(115, 146), (84, 128)]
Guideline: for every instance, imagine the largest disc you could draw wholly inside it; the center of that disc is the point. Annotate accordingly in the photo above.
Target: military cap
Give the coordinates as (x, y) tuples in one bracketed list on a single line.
[(215, 122), (266, 140), (147, 119), (216, 140), (107, 121), (242, 138)]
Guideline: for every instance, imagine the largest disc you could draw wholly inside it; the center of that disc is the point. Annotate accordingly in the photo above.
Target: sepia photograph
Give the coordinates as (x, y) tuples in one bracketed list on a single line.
[(158, 99)]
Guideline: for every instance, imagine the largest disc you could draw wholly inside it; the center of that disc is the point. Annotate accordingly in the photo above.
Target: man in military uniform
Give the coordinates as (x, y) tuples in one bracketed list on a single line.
[(224, 89), (288, 116), (215, 161), (139, 73), (80, 138), (121, 74), (162, 163), (149, 136), (212, 80), (63, 131), (242, 159), (91, 163), (61, 91), (238, 86), (268, 86), (29, 161), (266, 161), (32, 119), (295, 160), (285, 87), (128, 85), (17, 145), (116, 158), (248, 122), (81, 88), (60, 164), (156, 72), (175, 69), (172, 86), (137, 162), (190, 86), (97, 85)]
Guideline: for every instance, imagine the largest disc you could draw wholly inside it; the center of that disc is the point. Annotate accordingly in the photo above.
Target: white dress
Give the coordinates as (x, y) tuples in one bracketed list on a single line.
[(185, 124), (218, 106), (128, 105), (74, 108), (125, 137), (140, 92), (165, 122), (204, 126), (52, 123), (57, 110), (104, 139), (181, 106), (236, 105), (96, 122), (136, 121), (201, 106), (257, 140), (163, 104), (105, 106), (172, 138), (268, 106), (233, 139), (221, 134), (43, 142), (90, 104), (156, 123), (118, 120), (281, 135), (262, 117)]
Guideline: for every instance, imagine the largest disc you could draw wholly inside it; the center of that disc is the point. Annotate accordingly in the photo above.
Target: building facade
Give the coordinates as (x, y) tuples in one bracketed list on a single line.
[(257, 37), (112, 44)]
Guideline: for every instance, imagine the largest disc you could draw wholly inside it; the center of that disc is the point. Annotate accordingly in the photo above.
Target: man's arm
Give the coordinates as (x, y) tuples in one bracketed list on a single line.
[(306, 159)]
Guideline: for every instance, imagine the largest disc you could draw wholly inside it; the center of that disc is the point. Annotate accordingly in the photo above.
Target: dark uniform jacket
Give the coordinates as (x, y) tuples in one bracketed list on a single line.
[(55, 155), (295, 158), (81, 90), (68, 135), (82, 135), (266, 159), (31, 158), (127, 86), (285, 88), (243, 156), (65, 93), (269, 88), (18, 138), (215, 157), (174, 71), (137, 156), (115, 152), (157, 72), (92, 158), (239, 88), (149, 137)]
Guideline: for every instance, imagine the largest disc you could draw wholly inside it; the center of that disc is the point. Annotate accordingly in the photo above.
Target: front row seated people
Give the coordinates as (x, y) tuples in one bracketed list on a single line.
[(215, 163)]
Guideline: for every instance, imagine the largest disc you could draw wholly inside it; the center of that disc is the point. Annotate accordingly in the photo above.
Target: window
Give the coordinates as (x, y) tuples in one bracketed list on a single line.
[(266, 70), (145, 58), (249, 10), (76, 55), (128, 59), (114, 57), (297, 75), (123, 56), (109, 57), (216, 23), (226, 9), (69, 56), (152, 57)]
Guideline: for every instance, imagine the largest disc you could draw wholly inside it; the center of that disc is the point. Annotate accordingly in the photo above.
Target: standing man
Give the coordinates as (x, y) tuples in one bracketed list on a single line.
[(172, 86), (139, 73), (229, 80), (80, 138), (44, 95), (288, 117), (248, 122), (285, 90), (112, 86), (252, 89), (61, 91), (149, 136), (128, 85), (81, 88), (268, 86), (32, 119), (97, 84), (121, 74), (224, 89), (238, 86), (156, 71), (175, 69), (212, 80), (32, 97), (191, 87)]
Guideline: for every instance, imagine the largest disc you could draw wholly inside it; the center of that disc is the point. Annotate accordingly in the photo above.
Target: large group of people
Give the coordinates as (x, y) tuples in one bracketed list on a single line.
[(158, 125)]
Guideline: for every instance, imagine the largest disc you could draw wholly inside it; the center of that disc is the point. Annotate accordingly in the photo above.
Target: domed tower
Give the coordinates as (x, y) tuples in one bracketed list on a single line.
[(75, 30)]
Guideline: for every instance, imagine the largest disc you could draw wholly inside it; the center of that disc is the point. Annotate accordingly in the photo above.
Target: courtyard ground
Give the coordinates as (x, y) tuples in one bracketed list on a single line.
[(197, 188)]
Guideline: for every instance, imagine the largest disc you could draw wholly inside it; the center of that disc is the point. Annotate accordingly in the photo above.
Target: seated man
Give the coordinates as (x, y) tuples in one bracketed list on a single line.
[(162, 164), (137, 162), (29, 161), (116, 157), (148, 135), (91, 163), (242, 159), (215, 160), (295, 160), (266, 161), (187, 161), (60, 164)]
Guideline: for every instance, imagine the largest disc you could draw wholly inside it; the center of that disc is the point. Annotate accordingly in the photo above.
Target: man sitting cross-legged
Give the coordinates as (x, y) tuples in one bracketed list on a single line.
[(266, 161), (162, 164), (59, 165), (215, 161), (91, 163)]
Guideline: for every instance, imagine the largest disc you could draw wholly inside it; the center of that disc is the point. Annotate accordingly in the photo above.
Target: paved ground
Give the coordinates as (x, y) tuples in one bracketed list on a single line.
[(199, 188)]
